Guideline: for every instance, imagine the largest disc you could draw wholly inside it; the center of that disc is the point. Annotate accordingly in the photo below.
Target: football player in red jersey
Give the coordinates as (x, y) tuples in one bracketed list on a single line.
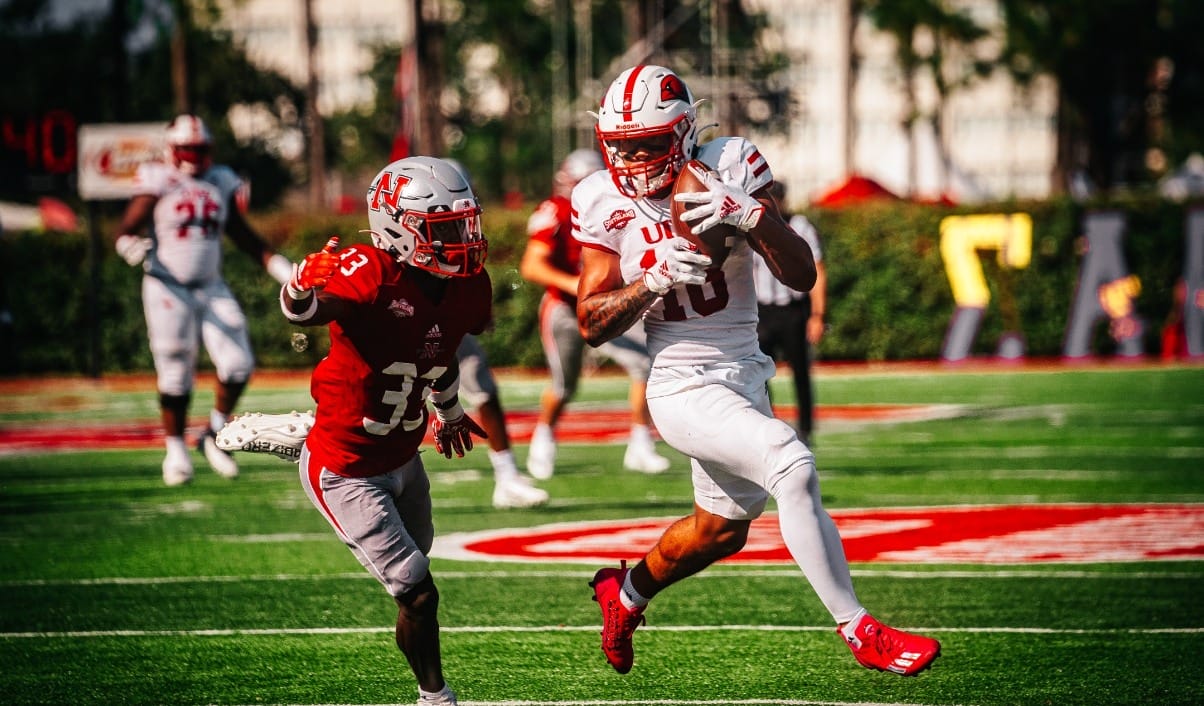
[(707, 391), (397, 310)]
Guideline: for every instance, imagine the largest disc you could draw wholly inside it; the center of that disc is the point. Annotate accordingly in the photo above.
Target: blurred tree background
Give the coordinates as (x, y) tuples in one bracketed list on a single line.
[(492, 72), (107, 62), (498, 76), (503, 86), (1130, 81)]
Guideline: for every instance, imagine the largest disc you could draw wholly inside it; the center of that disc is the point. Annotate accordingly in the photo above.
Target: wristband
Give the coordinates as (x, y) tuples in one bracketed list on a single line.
[(288, 313), (451, 413), (445, 405), (297, 294)]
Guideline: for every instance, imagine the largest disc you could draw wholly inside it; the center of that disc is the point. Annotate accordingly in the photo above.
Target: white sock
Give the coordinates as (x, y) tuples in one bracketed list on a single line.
[(629, 597), (442, 695), (641, 436), (504, 465), (217, 420), (850, 628), (176, 446), (542, 434)]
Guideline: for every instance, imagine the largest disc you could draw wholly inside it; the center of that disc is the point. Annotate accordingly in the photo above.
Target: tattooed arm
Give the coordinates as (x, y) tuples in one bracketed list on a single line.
[(605, 306)]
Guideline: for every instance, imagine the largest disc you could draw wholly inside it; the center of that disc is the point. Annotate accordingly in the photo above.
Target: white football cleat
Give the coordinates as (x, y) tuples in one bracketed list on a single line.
[(177, 470), (517, 493), (282, 435), (541, 458), (220, 461), (644, 459)]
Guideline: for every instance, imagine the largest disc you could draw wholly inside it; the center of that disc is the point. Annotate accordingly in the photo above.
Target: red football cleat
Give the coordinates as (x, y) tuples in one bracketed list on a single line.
[(881, 647), (618, 623)]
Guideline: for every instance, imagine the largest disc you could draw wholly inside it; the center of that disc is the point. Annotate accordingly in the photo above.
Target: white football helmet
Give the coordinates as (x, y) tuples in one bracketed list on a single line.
[(577, 165), (423, 212), (647, 128), (459, 167), (188, 144)]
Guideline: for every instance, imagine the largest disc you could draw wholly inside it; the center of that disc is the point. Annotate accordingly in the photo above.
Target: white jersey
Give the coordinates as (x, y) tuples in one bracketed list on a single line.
[(692, 325), (189, 219)]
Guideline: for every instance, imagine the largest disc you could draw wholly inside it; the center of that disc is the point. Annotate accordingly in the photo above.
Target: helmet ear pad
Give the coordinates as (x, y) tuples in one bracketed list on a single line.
[(395, 242)]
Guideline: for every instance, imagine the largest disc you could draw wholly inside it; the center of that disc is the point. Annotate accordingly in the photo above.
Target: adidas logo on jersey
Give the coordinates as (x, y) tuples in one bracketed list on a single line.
[(434, 333)]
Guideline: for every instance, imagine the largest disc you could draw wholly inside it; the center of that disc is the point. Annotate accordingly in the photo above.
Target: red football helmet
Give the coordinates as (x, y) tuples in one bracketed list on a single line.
[(423, 212), (188, 143), (647, 128)]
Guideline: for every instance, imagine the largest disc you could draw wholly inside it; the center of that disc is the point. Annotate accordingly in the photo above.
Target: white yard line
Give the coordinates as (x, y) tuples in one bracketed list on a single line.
[(498, 629), (718, 573), (660, 702)]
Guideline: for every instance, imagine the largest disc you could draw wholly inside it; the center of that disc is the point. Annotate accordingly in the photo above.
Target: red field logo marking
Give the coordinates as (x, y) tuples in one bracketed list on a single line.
[(995, 534)]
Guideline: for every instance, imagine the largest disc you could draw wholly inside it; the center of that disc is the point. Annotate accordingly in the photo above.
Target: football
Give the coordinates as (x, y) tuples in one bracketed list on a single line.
[(713, 242)]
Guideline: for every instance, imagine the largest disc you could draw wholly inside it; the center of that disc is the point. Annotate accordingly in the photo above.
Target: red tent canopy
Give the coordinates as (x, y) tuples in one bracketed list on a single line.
[(854, 190), (859, 189)]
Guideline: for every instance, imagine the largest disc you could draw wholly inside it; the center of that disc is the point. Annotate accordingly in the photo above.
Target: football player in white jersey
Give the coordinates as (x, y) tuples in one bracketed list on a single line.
[(707, 389), (189, 202)]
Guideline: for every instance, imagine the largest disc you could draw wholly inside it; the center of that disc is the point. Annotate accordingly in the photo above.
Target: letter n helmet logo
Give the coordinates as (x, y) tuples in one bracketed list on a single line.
[(386, 190)]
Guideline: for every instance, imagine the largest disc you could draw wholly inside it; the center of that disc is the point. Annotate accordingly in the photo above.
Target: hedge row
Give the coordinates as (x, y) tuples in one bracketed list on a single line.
[(889, 297)]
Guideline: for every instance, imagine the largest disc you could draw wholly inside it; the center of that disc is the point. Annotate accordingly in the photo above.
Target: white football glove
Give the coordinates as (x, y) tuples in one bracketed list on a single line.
[(133, 248), (721, 203), (682, 265)]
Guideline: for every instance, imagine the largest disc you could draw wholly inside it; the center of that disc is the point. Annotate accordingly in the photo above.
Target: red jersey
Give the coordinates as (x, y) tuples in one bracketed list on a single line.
[(551, 223), (371, 388)]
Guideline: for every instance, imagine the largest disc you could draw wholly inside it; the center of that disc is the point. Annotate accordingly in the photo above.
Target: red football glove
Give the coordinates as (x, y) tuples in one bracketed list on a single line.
[(315, 270), (454, 431)]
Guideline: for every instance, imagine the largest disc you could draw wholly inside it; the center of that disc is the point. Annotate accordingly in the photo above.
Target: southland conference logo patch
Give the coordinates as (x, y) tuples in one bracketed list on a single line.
[(990, 534), (619, 219)]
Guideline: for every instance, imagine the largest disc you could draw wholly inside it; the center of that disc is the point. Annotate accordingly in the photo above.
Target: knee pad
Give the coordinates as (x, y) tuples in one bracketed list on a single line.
[(175, 368), (406, 576), (795, 477), (235, 370)]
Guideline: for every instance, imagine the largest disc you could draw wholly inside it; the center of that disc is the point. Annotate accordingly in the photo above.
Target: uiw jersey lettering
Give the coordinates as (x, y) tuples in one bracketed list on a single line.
[(728, 299)]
